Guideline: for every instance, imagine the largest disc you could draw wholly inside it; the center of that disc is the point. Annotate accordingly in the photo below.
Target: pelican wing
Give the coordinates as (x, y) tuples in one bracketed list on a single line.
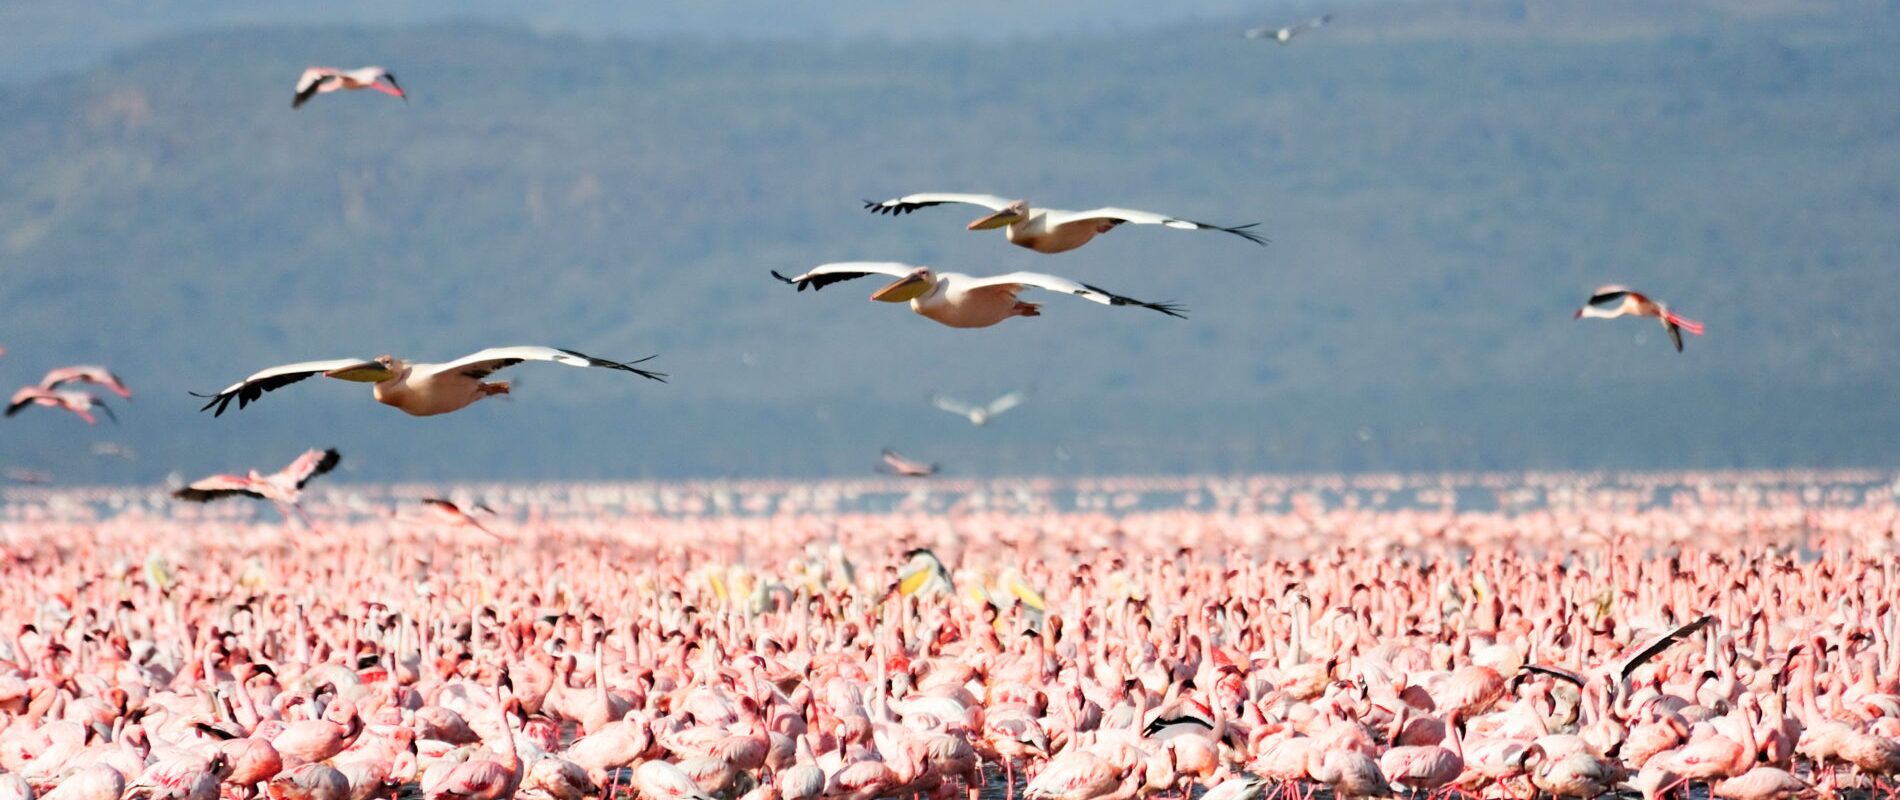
[(1117, 216), (308, 84), (951, 405), (248, 390), (214, 487), (311, 464), (1066, 286), (487, 362), (1005, 403), (912, 202), (824, 275)]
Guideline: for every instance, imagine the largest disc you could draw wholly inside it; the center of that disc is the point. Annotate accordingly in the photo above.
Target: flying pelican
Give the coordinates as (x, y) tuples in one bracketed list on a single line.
[(86, 373), (81, 403), (418, 389), (323, 80), (1285, 35), (899, 465), (283, 487), (958, 300), (1048, 230), (1613, 301), (978, 415)]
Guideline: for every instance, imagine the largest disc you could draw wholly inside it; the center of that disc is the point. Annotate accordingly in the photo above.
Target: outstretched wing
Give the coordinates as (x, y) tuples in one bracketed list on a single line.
[(214, 487), (912, 202), (1609, 294), (1006, 402), (487, 362), (1659, 644), (1117, 216), (248, 390), (951, 405), (1064, 285), (1560, 674), (311, 464), (308, 84), (825, 275)]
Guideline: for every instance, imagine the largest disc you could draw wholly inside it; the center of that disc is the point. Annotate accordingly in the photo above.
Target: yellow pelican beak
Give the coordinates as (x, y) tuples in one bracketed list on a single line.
[(366, 372), (904, 290), (912, 582), (997, 220)]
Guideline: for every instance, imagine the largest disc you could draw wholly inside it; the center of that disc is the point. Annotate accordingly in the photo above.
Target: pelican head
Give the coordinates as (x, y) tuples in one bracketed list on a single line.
[(907, 288), (1010, 215)]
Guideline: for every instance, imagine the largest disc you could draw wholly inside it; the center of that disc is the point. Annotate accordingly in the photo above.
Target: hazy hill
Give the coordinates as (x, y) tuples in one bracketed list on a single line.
[(1439, 202)]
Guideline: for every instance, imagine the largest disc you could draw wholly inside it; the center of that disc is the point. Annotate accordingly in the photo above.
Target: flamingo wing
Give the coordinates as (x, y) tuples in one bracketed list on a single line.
[(311, 464), (310, 82), (207, 489)]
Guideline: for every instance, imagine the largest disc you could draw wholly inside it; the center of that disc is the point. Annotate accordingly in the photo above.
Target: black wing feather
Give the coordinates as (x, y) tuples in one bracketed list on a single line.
[(249, 391), (324, 465), (816, 282), (1114, 299), (208, 495), (895, 209), (623, 366), (1662, 643)]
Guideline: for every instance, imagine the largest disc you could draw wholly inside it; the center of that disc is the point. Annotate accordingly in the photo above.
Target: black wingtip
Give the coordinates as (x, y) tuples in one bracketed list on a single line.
[(782, 278), (1244, 232)]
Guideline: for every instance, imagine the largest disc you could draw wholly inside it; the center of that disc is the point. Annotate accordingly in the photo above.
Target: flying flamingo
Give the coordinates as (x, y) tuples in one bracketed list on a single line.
[(81, 403), (1610, 302), (86, 373), (418, 389), (1048, 230), (283, 487), (451, 514), (323, 80), (899, 465)]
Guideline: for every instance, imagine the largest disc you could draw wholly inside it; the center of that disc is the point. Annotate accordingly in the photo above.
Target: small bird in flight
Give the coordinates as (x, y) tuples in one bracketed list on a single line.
[(86, 373), (899, 465), (1285, 35), (323, 80), (1610, 302), (979, 415), (81, 403), (283, 487), (1049, 230), (959, 300)]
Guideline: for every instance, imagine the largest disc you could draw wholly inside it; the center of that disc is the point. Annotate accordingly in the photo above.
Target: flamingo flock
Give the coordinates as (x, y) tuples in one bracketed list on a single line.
[(1669, 635)]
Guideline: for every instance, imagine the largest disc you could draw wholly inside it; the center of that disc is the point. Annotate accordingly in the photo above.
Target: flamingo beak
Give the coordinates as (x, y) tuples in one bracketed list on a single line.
[(903, 290), (1007, 216)]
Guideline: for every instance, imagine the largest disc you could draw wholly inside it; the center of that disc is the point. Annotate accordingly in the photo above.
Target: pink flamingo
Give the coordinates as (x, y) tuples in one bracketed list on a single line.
[(85, 373), (323, 80), (1610, 302), (80, 403)]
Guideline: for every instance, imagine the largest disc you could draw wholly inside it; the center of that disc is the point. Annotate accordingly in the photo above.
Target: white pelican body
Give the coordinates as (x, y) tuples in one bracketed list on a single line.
[(959, 300), (1048, 230), (323, 80), (418, 389)]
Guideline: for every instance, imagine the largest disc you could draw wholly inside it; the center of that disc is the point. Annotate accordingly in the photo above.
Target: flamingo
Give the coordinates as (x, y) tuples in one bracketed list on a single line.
[(81, 403), (1610, 302), (959, 300), (1048, 230), (1285, 35), (323, 80), (85, 373), (451, 514), (978, 415), (486, 778), (660, 780), (283, 487), (899, 465), (417, 389)]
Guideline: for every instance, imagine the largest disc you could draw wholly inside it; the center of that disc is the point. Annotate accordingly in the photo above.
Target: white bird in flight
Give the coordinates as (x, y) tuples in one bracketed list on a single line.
[(1285, 35), (323, 80), (1049, 230), (1610, 302), (979, 415), (418, 389), (959, 300)]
